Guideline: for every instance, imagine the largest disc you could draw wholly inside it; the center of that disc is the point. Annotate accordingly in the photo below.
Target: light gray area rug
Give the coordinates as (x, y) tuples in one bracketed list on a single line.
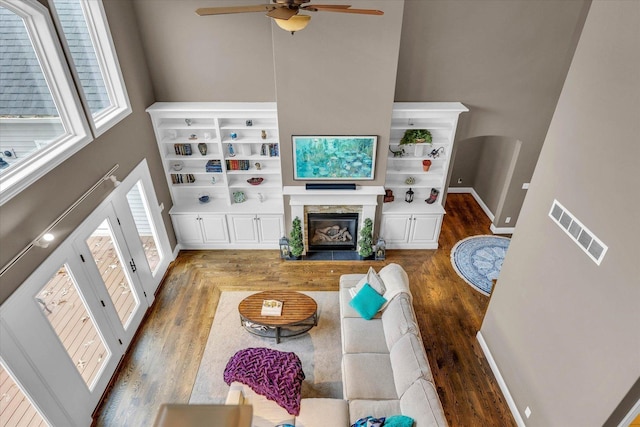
[(319, 349)]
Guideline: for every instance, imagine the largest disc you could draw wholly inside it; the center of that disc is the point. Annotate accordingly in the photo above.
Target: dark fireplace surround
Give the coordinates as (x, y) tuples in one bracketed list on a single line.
[(332, 231)]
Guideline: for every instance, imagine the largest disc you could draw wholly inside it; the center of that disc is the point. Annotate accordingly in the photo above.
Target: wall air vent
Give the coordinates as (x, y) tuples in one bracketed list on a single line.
[(585, 239)]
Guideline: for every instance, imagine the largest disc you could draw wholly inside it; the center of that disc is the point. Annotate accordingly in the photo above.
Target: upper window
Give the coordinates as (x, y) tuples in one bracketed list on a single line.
[(87, 39), (42, 118)]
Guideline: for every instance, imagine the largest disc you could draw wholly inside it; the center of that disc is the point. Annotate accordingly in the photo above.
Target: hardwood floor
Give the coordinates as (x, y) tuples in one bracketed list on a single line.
[(163, 360)]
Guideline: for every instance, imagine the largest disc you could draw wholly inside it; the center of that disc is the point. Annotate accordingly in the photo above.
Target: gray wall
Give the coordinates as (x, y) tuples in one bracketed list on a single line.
[(338, 77), (25, 216), (486, 164), (213, 58), (564, 331), (505, 60)]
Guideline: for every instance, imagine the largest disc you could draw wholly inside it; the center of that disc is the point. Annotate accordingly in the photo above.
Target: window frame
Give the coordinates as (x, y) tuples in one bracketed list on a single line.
[(100, 34), (55, 70)]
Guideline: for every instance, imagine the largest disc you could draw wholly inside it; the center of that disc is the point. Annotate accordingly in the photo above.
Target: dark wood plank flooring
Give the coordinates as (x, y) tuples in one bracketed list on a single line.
[(163, 360)]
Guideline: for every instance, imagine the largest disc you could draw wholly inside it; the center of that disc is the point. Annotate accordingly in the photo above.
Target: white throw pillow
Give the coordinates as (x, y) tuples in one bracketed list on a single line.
[(373, 280)]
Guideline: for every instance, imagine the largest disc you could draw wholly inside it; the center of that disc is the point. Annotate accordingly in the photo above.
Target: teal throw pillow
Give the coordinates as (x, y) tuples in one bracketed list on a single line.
[(367, 302), (398, 421)]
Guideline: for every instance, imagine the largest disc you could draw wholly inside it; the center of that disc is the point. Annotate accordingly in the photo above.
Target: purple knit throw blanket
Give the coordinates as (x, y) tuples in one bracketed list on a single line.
[(274, 374)]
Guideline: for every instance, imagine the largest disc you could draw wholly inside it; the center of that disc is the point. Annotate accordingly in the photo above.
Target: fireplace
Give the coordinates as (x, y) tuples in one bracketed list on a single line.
[(332, 231)]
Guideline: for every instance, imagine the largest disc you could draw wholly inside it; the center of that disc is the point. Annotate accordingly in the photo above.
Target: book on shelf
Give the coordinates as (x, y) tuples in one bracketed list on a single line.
[(271, 307), (214, 166), (182, 149), (180, 178)]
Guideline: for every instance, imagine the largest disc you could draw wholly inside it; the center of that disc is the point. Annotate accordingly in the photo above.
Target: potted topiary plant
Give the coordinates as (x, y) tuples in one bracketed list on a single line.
[(365, 243), (295, 239), (417, 137)]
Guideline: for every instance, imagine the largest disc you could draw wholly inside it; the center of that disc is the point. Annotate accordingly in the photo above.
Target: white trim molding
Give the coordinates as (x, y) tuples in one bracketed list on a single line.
[(503, 385)]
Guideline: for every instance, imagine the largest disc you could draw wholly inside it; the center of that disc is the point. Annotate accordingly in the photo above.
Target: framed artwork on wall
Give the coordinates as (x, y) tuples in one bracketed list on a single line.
[(334, 157)]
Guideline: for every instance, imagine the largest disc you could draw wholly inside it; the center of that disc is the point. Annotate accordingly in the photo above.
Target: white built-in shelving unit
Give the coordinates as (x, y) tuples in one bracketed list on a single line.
[(417, 225), (237, 214)]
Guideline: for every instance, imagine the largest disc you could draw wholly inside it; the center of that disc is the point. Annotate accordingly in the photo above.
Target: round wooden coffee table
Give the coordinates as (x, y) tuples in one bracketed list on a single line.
[(299, 314)]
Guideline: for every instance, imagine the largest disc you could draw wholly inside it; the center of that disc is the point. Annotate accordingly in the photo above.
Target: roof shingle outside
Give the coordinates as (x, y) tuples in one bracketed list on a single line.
[(23, 89)]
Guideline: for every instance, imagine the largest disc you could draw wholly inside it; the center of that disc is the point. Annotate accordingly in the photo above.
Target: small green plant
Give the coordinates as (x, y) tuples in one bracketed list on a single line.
[(365, 243), (295, 239), (416, 136)]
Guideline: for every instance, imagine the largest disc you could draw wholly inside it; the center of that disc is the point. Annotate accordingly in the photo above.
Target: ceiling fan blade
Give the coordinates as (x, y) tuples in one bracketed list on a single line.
[(282, 13), (324, 6), (204, 11), (329, 8)]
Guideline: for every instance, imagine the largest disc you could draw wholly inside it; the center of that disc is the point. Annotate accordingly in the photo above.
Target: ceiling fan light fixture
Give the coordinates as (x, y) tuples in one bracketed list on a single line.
[(293, 24)]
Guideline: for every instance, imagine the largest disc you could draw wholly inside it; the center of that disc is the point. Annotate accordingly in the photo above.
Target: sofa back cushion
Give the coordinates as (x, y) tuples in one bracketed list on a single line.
[(421, 403), (409, 362), (395, 280), (398, 319)]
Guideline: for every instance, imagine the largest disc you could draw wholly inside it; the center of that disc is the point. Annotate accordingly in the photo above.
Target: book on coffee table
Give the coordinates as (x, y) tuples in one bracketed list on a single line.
[(271, 307)]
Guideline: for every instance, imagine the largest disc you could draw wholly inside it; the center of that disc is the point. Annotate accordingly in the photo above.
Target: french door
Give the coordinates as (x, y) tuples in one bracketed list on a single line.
[(103, 250), (64, 331)]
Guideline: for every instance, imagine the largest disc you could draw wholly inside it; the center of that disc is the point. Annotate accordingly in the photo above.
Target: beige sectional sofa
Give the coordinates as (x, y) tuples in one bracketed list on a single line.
[(385, 369)]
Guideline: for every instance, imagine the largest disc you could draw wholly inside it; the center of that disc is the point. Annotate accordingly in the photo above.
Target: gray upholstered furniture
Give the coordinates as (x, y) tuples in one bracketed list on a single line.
[(385, 369)]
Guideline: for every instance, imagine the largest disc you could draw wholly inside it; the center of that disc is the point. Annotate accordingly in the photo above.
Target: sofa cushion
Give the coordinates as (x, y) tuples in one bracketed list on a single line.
[(319, 412), (367, 376), (363, 336), (421, 403), (395, 280), (409, 361), (373, 280), (376, 408), (345, 297), (367, 302), (398, 319)]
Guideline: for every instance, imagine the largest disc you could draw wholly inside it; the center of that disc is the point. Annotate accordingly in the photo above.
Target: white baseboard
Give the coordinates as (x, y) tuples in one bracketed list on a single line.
[(501, 230), (503, 385)]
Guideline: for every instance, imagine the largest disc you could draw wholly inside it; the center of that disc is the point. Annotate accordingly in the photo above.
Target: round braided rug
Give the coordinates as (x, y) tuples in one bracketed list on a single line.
[(478, 260)]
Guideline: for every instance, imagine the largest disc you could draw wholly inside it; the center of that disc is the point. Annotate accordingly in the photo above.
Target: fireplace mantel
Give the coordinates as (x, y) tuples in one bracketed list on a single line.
[(361, 196), (364, 196)]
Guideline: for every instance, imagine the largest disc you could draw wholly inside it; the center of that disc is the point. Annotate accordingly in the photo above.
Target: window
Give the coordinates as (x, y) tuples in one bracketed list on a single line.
[(42, 119), (85, 33)]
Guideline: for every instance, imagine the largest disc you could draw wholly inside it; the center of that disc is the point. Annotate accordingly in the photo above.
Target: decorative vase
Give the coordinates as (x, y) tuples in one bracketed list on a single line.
[(202, 147), (263, 134), (419, 149), (426, 164)]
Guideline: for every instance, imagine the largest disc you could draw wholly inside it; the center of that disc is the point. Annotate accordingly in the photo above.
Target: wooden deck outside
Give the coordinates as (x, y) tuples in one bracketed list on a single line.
[(63, 307)]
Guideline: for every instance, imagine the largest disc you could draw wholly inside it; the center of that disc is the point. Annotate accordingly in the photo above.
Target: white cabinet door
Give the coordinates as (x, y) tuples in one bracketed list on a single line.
[(271, 228), (425, 228), (395, 228), (214, 228), (243, 228), (187, 227)]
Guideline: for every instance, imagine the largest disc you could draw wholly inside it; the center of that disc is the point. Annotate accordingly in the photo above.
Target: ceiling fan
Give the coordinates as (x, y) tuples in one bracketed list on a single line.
[(285, 12)]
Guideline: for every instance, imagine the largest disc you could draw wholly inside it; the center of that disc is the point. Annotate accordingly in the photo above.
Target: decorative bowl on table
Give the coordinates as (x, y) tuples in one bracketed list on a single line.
[(255, 181)]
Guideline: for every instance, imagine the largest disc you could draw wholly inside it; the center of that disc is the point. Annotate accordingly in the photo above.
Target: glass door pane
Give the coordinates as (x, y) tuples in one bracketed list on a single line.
[(65, 309), (112, 268), (16, 408), (144, 225)]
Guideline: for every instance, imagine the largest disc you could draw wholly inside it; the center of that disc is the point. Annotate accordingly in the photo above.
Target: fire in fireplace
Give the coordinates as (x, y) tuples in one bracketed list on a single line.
[(332, 231)]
